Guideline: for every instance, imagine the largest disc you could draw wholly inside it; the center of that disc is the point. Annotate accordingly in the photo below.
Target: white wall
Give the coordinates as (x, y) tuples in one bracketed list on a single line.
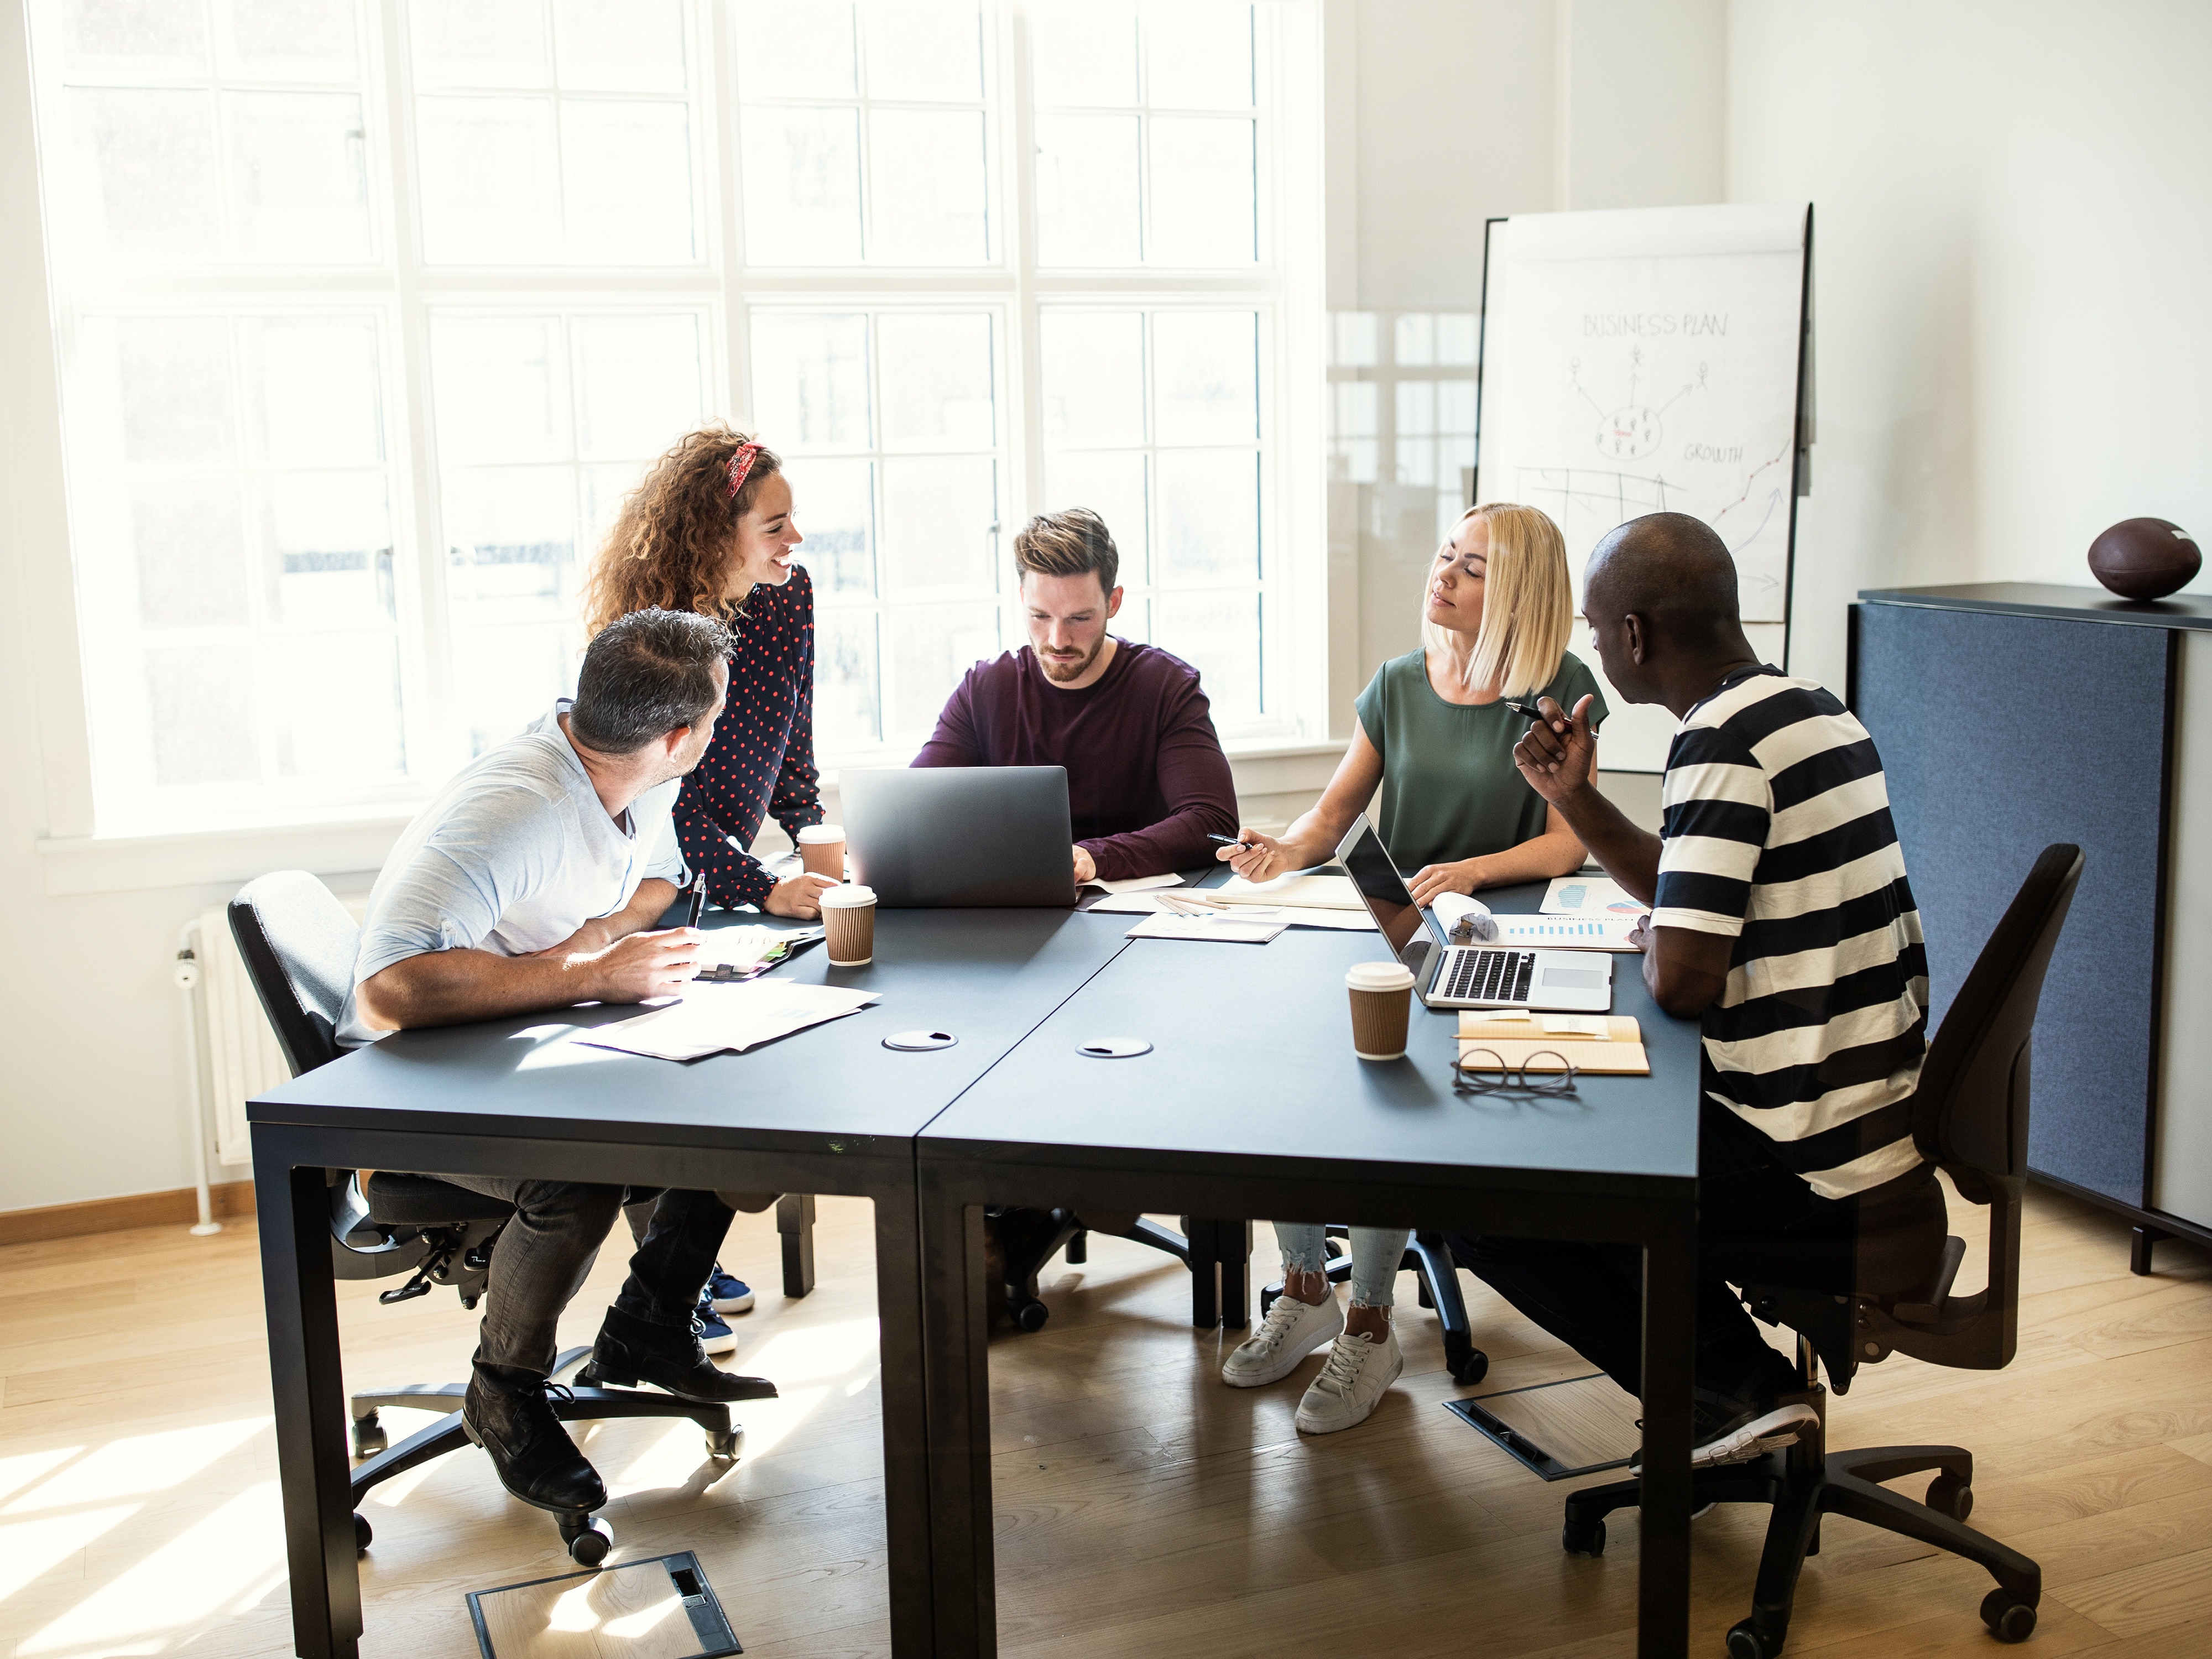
[(2013, 232)]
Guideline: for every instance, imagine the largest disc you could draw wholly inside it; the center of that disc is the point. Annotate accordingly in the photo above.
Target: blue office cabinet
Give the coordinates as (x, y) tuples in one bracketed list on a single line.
[(2012, 715)]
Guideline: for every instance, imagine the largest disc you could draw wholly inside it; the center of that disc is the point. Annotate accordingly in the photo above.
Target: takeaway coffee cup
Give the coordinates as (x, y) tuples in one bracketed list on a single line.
[(849, 921), (822, 850), (1382, 998)]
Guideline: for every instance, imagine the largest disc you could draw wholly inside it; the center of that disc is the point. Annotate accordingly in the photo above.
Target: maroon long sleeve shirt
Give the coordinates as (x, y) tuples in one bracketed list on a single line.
[(1146, 779)]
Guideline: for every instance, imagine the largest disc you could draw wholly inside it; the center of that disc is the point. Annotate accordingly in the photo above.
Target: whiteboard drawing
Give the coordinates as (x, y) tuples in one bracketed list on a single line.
[(1647, 361)]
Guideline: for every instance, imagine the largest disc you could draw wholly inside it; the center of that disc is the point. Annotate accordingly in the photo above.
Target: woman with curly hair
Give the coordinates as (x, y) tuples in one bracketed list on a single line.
[(710, 529)]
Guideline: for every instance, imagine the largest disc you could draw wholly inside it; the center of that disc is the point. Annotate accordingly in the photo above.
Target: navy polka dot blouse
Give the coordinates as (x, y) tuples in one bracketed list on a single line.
[(762, 759)]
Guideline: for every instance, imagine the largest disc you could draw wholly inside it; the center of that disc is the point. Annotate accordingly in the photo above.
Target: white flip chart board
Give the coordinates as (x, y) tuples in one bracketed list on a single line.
[(1647, 361)]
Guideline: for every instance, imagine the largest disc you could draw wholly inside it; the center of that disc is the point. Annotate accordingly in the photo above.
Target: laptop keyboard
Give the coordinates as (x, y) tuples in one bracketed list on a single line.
[(1478, 975)]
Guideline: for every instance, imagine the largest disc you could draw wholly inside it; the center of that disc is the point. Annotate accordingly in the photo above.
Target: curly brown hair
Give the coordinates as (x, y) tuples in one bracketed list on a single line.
[(669, 545)]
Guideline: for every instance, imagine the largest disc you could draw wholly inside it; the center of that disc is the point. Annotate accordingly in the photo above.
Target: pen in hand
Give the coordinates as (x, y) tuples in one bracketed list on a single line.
[(698, 900), (1228, 841)]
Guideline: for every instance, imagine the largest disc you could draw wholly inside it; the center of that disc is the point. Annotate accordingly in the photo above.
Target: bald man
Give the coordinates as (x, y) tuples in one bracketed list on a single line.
[(1783, 921)]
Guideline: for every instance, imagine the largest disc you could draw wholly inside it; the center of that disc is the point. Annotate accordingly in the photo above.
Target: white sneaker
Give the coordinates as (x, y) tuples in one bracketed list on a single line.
[(1749, 1436), (1359, 1372), (1291, 1330)]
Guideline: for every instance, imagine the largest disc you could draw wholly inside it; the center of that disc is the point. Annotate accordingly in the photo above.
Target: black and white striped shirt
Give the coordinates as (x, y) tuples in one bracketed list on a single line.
[(1777, 832)]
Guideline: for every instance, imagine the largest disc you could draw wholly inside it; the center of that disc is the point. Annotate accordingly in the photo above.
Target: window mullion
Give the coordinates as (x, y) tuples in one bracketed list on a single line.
[(430, 715)]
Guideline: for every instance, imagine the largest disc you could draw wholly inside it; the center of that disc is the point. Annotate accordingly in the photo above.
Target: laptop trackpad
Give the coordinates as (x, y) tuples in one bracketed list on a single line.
[(1572, 979)]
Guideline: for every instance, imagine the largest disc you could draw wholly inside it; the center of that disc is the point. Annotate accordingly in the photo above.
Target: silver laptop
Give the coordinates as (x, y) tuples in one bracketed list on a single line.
[(941, 836), (1450, 976)]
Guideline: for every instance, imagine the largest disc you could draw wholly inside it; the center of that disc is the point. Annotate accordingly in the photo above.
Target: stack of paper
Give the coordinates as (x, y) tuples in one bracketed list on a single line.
[(1292, 915), (713, 1019), (1306, 891), (1610, 1043)]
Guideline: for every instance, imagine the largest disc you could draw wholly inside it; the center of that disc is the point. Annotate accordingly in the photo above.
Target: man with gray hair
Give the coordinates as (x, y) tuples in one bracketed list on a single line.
[(534, 881)]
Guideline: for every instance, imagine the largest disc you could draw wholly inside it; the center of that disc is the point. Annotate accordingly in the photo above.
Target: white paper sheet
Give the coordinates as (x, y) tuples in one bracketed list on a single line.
[(713, 1018), (1299, 888), (1135, 883), (1218, 930), (1144, 904), (1567, 933)]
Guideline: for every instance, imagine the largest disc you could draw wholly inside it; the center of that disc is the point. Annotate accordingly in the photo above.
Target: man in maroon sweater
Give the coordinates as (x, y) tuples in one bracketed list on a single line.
[(1146, 779)]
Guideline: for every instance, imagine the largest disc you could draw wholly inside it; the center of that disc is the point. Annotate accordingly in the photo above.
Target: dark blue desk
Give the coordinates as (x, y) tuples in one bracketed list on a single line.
[(1252, 1104), (826, 1110)]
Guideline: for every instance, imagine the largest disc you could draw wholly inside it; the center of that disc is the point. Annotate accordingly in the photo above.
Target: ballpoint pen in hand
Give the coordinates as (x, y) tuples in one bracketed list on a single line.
[(698, 900)]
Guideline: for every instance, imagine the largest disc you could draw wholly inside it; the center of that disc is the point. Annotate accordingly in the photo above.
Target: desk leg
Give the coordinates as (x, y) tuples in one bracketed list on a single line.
[(955, 1328), (906, 1421), (1203, 1260), (300, 1300), (1662, 1584)]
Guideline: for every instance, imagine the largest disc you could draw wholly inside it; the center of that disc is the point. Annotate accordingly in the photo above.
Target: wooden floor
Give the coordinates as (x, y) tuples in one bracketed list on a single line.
[(1142, 1508)]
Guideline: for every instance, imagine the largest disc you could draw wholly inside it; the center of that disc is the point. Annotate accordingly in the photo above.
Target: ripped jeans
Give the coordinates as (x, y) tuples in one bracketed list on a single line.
[(1375, 1254)]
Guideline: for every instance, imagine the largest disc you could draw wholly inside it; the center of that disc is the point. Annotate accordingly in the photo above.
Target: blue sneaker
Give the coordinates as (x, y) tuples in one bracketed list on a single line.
[(716, 1335), (729, 1293)]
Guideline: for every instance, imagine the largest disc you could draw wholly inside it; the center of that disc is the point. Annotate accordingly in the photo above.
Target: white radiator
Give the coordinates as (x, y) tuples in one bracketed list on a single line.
[(243, 1058)]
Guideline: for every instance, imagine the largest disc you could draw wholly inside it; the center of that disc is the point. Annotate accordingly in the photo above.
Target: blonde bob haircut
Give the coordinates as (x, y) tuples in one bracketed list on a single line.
[(1528, 607)]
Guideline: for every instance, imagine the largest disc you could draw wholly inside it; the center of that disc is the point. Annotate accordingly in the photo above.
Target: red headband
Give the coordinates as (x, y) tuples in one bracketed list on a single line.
[(741, 464)]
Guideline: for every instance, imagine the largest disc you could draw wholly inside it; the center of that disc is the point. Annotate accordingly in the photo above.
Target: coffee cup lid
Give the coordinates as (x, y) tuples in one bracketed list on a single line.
[(1380, 977), (815, 834), (849, 897)]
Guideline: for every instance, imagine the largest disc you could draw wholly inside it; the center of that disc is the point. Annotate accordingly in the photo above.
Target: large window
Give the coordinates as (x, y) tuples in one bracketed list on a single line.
[(370, 310)]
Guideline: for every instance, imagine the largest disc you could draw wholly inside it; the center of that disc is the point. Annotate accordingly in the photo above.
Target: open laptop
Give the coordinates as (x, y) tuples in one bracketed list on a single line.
[(938, 836), (1449, 976)]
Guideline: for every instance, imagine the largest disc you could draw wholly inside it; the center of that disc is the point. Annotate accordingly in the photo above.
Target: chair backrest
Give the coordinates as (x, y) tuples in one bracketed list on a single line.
[(1970, 1113), (298, 945)]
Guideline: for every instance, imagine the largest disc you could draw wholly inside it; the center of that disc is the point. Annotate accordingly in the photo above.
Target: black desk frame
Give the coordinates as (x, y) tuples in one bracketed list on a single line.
[(956, 1179), (301, 1295)]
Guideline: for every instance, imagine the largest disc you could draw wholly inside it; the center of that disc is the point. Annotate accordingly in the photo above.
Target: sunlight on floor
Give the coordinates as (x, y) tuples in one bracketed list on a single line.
[(194, 1574), (142, 1463)]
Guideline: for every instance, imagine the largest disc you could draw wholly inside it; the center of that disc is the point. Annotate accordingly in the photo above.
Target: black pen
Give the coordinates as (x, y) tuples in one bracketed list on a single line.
[(1228, 841), (1532, 714), (698, 899)]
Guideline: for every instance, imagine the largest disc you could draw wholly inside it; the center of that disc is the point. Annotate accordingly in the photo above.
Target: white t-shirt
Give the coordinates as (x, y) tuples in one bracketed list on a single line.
[(514, 855)]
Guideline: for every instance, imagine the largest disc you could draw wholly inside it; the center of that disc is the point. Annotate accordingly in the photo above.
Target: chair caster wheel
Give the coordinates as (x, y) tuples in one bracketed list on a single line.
[(723, 1447), (2010, 1617), (1948, 1495), (1032, 1316), (1583, 1537), (363, 1534), (588, 1539), (1744, 1642), (368, 1436), (1268, 1293), (1469, 1368)]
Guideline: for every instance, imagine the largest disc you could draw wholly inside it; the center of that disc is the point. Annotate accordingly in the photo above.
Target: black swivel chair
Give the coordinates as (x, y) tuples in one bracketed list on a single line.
[(299, 943), (1891, 1293), (1030, 1238)]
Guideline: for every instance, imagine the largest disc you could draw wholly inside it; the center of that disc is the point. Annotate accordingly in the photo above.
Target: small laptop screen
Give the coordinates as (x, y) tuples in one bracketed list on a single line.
[(1384, 891)]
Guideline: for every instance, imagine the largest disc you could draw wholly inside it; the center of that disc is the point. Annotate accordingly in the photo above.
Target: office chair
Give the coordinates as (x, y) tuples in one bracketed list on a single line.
[(298, 945), (1891, 1292), (1030, 1238), (1435, 1283)]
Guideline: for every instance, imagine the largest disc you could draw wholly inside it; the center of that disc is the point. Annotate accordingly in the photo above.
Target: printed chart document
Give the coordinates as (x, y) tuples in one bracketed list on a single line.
[(1589, 895), (1596, 932), (712, 1019)]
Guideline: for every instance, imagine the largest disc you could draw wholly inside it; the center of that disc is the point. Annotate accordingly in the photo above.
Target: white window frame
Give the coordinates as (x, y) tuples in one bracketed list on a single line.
[(1285, 290)]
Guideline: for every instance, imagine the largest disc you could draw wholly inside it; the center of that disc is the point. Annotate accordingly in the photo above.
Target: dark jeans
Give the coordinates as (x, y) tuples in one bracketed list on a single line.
[(1590, 1296), (544, 1252)]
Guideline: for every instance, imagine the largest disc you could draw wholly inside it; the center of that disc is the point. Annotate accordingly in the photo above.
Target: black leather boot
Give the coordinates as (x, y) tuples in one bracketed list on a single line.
[(630, 1352), (513, 1419)]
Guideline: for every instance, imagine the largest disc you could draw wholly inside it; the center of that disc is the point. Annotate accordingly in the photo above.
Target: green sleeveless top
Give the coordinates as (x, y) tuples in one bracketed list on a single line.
[(1450, 790)]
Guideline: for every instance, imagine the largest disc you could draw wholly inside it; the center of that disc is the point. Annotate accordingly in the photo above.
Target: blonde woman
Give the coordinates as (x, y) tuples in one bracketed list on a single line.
[(1435, 734)]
